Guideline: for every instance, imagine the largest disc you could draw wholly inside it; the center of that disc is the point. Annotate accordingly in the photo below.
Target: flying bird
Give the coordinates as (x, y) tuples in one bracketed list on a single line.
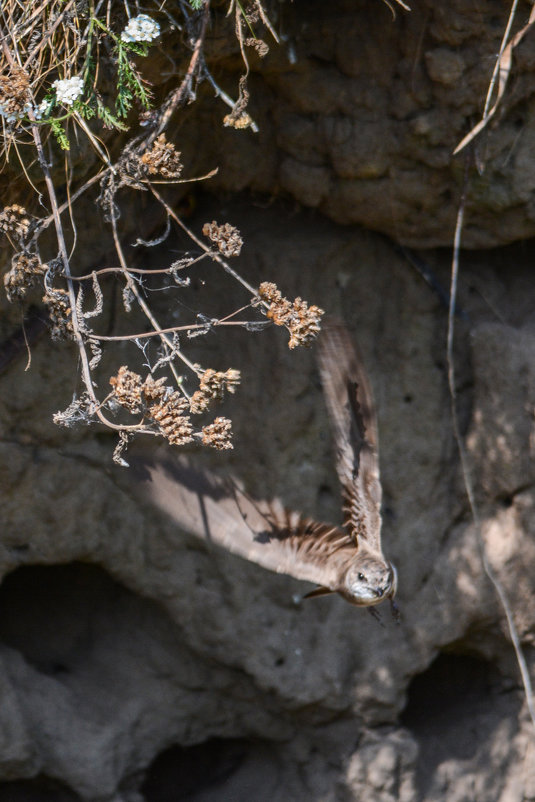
[(345, 559)]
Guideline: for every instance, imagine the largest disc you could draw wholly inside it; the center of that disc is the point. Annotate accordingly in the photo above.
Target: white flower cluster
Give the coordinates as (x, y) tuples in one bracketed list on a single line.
[(42, 108), (38, 111), (68, 90), (13, 116), (141, 29)]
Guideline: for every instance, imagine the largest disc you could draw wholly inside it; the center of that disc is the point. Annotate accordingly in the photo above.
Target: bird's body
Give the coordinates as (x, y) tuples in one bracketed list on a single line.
[(348, 559)]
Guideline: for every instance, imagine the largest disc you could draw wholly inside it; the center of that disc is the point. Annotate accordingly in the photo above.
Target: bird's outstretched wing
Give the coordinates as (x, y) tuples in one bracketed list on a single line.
[(219, 512), (351, 409), (347, 560)]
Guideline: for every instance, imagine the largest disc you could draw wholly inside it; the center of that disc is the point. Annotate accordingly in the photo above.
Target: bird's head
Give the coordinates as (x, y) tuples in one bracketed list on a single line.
[(369, 580)]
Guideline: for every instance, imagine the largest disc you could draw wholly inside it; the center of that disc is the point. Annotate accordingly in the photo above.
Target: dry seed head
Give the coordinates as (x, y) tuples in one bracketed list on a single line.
[(25, 270), (174, 425), (60, 313), (14, 92), (239, 122), (218, 434), (226, 237), (127, 389), (279, 306), (251, 13), (163, 159), (154, 389), (199, 402), (230, 379), (305, 324), (238, 117), (213, 384), (13, 220), (261, 47), (301, 320)]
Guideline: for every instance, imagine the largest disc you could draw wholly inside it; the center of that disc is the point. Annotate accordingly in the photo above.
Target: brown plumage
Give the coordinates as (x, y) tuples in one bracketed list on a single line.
[(347, 559)]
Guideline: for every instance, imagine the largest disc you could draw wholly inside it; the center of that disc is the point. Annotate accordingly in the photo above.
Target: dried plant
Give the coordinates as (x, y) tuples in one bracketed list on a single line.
[(226, 237), (66, 65), (163, 159), (167, 412), (25, 271), (59, 314), (127, 389), (301, 320), (212, 386), (172, 419), (218, 434), (14, 221)]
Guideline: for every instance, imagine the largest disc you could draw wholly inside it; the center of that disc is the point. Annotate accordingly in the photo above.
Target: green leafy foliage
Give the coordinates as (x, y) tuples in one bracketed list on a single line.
[(85, 110), (109, 119), (59, 132), (129, 82)]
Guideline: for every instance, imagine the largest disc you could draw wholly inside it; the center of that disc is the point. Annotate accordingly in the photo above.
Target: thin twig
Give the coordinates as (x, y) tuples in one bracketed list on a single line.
[(176, 97), (502, 70), (174, 329), (138, 270), (27, 344), (180, 180), (496, 70)]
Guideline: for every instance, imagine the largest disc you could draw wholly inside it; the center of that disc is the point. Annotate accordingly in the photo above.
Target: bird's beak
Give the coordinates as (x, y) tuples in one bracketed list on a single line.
[(389, 590)]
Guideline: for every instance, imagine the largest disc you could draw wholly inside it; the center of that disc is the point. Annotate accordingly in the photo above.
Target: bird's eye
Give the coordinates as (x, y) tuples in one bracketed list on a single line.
[(362, 577)]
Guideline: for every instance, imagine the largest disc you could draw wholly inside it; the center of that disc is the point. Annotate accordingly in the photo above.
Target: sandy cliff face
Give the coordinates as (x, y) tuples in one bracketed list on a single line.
[(359, 116), (135, 662)]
